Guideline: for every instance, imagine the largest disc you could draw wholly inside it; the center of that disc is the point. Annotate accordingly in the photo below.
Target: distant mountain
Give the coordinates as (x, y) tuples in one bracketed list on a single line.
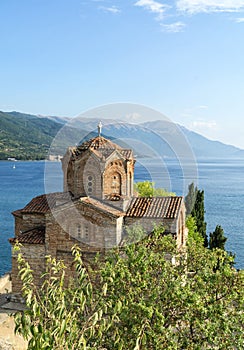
[(162, 138), (61, 120), (201, 146), (26, 136)]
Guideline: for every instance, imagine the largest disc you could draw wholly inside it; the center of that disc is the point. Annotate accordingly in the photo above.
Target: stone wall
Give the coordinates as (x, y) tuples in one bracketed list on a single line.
[(77, 173), (28, 222), (149, 223), (35, 256), (176, 227), (85, 224), (114, 178), (90, 175)]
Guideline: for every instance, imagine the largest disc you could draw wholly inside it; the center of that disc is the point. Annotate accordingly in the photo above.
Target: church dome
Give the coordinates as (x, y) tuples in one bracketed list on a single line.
[(99, 168), (101, 146), (97, 143)]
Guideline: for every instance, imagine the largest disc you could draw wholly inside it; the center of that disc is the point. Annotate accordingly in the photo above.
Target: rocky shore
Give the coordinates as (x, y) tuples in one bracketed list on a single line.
[(8, 306)]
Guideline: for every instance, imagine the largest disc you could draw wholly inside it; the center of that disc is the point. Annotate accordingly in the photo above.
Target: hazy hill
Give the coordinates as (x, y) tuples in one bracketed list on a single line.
[(201, 146), (26, 136), (162, 138)]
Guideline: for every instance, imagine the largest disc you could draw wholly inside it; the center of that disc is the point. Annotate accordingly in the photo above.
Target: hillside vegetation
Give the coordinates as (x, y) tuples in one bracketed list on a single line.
[(25, 136), (136, 299)]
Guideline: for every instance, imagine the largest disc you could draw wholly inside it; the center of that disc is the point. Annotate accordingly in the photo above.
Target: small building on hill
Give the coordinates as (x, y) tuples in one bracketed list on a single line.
[(93, 210)]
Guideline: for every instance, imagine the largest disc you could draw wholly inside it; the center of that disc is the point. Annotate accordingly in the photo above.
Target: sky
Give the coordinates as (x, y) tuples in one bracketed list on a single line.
[(184, 58)]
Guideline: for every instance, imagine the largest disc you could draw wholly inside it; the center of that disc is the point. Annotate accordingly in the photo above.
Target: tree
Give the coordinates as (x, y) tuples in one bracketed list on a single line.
[(193, 234), (162, 192), (134, 233), (165, 307), (190, 198), (58, 316), (140, 301), (144, 188), (217, 238), (147, 189), (198, 213)]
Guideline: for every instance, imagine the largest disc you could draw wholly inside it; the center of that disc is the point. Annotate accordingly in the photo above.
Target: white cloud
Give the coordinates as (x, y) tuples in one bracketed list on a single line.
[(201, 125), (153, 6), (239, 20), (173, 27), (208, 6), (202, 107), (111, 9), (191, 111), (134, 118)]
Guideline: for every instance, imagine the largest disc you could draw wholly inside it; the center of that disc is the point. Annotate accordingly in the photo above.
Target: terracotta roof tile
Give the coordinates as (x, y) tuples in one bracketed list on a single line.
[(34, 236), (102, 206), (127, 153), (102, 147), (98, 142), (155, 207), (44, 203)]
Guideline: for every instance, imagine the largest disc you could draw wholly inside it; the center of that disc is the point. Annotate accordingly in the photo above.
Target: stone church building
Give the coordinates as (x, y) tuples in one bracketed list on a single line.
[(96, 205)]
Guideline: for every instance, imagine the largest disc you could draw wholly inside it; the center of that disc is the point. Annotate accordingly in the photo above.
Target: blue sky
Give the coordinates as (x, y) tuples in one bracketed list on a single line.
[(184, 58)]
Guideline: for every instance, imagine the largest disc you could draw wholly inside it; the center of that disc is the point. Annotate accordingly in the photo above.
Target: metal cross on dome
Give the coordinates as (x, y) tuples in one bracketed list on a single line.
[(99, 128)]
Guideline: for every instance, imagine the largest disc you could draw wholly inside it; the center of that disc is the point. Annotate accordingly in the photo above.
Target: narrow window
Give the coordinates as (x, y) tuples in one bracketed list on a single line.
[(79, 231), (116, 183), (86, 233), (90, 184)]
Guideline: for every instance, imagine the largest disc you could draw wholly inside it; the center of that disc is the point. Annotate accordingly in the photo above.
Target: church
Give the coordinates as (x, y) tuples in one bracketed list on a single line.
[(93, 211)]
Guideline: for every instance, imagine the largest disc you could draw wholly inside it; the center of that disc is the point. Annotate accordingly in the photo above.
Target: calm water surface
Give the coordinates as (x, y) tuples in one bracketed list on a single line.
[(222, 181)]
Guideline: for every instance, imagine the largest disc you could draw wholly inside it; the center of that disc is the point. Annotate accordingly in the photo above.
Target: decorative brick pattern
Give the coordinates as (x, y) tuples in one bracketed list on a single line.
[(92, 212)]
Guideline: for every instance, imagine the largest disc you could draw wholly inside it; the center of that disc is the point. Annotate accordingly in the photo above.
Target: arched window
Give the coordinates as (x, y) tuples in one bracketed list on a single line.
[(116, 183)]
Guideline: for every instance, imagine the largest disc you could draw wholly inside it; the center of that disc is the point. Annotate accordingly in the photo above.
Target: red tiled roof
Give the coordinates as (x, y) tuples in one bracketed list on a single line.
[(98, 142), (127, 153), (155, 207), (44, 203), (102, 206), (34, 236), (101, 147)]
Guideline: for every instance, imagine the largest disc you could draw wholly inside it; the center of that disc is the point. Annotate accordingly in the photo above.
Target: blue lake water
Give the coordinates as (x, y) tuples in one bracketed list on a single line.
[(222, 181)]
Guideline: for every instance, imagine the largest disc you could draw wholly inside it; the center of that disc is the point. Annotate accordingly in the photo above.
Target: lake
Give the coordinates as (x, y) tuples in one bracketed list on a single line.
[(222, 181)]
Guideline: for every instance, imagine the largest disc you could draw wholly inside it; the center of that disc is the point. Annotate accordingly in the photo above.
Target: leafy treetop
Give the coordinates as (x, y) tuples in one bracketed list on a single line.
[(147, 189), (139, 300)]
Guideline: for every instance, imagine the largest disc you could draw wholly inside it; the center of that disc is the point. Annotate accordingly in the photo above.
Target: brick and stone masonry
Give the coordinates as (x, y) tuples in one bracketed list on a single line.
[(92, 211)]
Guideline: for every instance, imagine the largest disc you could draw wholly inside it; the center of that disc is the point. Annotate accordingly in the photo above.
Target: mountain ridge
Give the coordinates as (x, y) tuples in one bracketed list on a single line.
[(28, 136)]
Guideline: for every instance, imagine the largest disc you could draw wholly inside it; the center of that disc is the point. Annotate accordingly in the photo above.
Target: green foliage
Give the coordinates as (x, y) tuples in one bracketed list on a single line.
[(28, 137), (146, 189), (161, 192), (139, 301), (217, 238), (59, 317), (134, 233), (24, 136), (193, 234), (162, 306), (190, 198), (194, 202), (198, 213)]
